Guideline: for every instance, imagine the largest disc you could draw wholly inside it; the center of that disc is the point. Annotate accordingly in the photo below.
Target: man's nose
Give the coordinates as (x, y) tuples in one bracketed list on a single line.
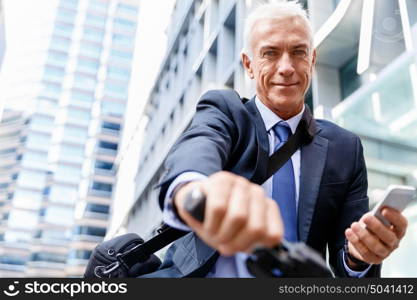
[(285, 65)]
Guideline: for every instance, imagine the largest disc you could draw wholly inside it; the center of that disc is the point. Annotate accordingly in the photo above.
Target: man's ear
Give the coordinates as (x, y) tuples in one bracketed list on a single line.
[(247, 64), (314, 58)]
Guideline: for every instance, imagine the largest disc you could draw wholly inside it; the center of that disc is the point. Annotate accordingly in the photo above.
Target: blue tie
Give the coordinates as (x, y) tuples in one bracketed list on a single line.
[(283, 187)]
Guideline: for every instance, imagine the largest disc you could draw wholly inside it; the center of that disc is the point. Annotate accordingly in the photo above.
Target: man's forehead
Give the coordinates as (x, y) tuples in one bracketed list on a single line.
[(271, 32)]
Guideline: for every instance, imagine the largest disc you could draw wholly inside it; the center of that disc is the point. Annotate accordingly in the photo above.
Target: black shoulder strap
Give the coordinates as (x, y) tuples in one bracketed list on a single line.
[(142, 252), (304, 134)]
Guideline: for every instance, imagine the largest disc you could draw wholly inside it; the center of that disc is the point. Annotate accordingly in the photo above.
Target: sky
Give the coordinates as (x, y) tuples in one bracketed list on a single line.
[(26, 21)]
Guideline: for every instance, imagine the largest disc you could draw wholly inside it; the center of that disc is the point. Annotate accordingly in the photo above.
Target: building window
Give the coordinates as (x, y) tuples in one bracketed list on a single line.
[(124, 25), (59, 215), (118, 73), (69, 3), (99, 164), (31, 179), (116, 91), (54, 74), (91, 50), (82, 99), (108, 145), (38, 141), (60, 43), (48, 257), (84, 82), (97, 208), (35, 160), (22, 219), (120, 39), (54, 234), (27, 198), (79, 254), (110, 125), (63, 194), (350, 80), (12, 260), (64, 173), (96, 21), (7, 151), (96, 5), (90, 230), (63, 29), (117, 53), (113, 108), (78, 116), (93, 34), (88, 65), (72, 154), (126, 8), (100, 186), (66, 15)]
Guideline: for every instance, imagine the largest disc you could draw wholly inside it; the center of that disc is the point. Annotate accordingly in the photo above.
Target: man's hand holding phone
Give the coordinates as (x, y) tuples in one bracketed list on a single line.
[(378, 233)]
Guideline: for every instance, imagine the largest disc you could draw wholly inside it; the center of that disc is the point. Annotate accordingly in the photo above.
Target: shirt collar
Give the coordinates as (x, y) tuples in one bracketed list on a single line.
[(271, 119)]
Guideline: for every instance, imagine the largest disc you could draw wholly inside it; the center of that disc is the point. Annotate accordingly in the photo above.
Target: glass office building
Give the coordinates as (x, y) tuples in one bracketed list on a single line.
[(2, 36), (365, 80), (60, 134)]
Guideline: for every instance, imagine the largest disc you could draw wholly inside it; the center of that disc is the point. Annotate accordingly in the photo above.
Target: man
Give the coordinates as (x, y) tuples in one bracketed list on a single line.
[(318, 196)]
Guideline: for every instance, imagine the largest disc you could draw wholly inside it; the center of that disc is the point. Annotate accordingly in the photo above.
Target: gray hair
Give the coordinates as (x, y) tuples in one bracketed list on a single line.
[(273, 11)]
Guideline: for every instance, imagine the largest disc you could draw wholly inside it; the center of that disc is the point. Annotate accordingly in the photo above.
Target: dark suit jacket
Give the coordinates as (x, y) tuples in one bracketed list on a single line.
[(227, 134)]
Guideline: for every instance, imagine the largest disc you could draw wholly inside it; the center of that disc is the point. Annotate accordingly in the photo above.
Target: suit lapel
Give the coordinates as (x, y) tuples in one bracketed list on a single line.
[(261, 167), (313, 159)]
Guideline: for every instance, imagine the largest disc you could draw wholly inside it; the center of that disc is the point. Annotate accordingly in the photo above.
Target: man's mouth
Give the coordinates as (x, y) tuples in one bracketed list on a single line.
[(285, 84)]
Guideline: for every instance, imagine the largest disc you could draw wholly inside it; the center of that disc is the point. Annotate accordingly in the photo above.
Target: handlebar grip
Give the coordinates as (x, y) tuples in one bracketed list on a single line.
[(292, 259), (195, 204)]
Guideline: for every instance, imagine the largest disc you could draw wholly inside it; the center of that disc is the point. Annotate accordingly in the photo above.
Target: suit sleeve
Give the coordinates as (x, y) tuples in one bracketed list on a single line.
[(355, 205), (205, 146)]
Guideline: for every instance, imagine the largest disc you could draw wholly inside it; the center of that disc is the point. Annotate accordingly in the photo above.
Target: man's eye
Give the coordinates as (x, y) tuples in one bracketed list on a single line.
[(300, 52), (269, 53)]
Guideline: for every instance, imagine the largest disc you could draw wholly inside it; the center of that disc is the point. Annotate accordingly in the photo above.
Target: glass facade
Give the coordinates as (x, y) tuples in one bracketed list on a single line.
[(384, 114), (50, 161), (386, 109)]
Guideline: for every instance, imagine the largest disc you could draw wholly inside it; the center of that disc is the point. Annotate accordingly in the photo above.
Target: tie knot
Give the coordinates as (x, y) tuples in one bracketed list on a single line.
[(283, 131)]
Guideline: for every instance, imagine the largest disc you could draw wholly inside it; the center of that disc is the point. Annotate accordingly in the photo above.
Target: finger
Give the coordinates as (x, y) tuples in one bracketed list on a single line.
[(180, 199), (385, 234), (237, 212), (359, 249), (370, 240), (275, 227), (398, 221), (218, 191), (255, 227)]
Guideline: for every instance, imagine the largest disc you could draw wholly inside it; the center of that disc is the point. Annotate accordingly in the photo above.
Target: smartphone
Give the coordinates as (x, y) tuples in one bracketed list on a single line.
[(396, 196)]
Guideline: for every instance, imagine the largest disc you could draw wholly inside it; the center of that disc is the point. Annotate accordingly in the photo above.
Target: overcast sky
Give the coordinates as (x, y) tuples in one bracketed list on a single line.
[(26, 21)]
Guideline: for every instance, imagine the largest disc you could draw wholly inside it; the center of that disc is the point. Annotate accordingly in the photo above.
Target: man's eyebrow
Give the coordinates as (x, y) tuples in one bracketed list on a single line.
[(301, 45), (269, 47)]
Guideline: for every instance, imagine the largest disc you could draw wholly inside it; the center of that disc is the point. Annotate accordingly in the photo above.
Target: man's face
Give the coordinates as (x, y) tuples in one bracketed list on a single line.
[(282, 63)]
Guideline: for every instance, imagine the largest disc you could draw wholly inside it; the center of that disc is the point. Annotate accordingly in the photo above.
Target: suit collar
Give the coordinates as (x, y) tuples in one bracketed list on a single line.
[(262, 143), (313, 159)]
